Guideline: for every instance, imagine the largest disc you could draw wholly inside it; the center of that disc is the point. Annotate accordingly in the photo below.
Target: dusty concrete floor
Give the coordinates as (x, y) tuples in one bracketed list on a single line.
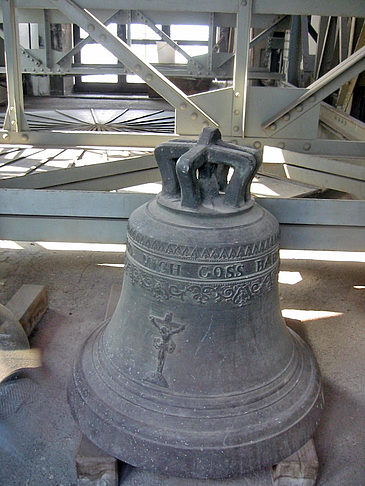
[(38, 437)]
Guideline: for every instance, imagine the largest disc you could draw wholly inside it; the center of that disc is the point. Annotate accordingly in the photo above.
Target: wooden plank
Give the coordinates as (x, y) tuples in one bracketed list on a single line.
[(95, 467), (29, 304), (18, 359), (300, 469)]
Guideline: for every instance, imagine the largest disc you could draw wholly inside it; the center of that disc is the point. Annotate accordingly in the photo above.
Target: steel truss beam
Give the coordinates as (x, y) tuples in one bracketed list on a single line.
[(123, 52), (81, 216), (85, 216), (317, 91), (195, 64)]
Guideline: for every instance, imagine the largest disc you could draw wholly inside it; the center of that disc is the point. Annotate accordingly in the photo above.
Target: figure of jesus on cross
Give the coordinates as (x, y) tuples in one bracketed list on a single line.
[(164, 343)]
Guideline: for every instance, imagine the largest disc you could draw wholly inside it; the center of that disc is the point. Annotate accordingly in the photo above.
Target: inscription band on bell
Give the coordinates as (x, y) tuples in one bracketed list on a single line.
[(202, 270)]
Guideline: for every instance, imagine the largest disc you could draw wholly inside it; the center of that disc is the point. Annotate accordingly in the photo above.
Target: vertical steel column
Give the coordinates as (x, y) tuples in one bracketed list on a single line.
[(307, 65), (211, 41), (326, 59), (128, 28), (343, 38), (45, 32), (14, 120), (295, 55), (242, 46)]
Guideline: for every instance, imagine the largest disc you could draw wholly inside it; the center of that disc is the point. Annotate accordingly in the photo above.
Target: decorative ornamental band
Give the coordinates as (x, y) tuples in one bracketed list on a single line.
[(209, 254), (237, 293)]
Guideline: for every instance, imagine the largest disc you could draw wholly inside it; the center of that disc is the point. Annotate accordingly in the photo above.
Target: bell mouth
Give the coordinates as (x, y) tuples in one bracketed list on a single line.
[(148, 426)]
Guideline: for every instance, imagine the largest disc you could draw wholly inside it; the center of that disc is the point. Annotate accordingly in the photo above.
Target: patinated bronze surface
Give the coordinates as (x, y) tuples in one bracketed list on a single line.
[(196, 374)]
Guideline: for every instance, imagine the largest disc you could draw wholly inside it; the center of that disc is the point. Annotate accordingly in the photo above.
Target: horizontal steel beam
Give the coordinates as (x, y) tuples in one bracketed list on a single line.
[(344, 167), (326, 180), (86, 139), (355, 8), (176, 70), (97, 177), (329, 148), (338, 8), (82, 216), (228, 6), (342, 123)]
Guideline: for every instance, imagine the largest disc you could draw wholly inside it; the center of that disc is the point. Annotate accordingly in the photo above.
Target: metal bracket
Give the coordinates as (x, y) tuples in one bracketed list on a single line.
[(29, 62)]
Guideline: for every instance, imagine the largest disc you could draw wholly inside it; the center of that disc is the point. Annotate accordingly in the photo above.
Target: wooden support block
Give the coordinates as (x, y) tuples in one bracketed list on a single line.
[(300, 469), (18, 359), (132, 476), (95, 467), (29, 304)]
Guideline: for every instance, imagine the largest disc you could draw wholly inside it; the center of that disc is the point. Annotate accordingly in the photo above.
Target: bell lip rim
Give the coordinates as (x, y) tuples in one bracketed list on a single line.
[(306, 423)]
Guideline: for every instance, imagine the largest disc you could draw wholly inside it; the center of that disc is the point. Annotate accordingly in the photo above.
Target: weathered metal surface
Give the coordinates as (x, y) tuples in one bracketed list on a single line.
[(196, 374)]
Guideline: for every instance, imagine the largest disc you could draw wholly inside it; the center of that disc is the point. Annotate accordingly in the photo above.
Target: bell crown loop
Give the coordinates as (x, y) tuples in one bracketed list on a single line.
[(194, 174)]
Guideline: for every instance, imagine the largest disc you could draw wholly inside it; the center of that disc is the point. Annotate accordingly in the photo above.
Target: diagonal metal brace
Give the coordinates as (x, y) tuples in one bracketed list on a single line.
[(262, 35), (170, 42), (124, 53), (66, 59), (317, 92), (31, 61)]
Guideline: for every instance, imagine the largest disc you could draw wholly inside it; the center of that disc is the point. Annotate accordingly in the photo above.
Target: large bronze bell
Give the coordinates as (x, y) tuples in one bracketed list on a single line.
[(196, 374)]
